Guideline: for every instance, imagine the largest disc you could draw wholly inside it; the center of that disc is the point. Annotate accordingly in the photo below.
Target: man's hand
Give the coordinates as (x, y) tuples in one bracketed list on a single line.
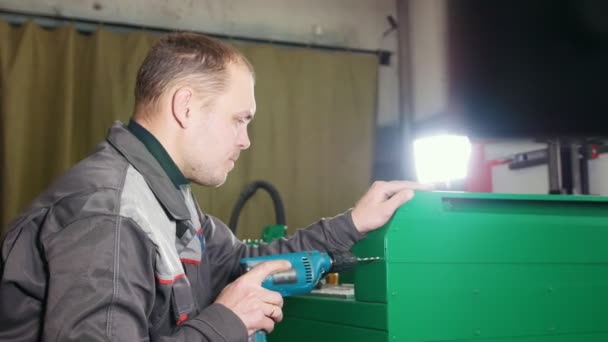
[(377, 206), (257, 307)]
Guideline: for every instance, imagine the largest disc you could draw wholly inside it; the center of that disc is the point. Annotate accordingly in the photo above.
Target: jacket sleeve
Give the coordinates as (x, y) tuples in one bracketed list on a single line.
[(102, 287), (22, 281), (225, 250)]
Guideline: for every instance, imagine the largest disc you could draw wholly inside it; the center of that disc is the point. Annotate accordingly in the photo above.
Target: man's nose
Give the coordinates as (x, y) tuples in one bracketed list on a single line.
[(244, 141)]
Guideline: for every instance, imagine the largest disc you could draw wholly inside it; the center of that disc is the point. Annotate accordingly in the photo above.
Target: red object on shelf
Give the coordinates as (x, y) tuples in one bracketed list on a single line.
[(594, 152), (479, 178)]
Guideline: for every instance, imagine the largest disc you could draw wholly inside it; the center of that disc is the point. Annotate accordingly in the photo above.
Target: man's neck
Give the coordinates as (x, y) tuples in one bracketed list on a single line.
[(159, 147)]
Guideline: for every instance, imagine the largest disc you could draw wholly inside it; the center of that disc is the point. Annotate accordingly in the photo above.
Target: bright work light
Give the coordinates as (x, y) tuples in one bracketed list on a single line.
[(441, 158)]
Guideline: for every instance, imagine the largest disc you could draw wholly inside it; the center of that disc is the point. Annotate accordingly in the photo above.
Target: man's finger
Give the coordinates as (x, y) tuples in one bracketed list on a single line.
[(271, 297), (273, 312), (263, 270), (393, 187), (267, 324), (400, 198)]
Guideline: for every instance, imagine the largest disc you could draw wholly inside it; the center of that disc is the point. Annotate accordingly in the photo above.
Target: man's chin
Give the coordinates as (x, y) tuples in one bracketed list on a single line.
[(215, 182), (220, 183)]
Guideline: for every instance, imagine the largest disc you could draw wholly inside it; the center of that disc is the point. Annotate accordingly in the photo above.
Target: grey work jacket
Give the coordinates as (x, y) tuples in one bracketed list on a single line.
[(113, 251)]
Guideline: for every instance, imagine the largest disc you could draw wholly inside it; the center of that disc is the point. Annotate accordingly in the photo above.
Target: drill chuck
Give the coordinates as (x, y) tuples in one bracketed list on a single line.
[(342, 261)]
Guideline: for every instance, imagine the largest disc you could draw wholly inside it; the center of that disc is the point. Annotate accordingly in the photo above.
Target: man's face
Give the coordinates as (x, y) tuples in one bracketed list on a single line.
[(219, 131)]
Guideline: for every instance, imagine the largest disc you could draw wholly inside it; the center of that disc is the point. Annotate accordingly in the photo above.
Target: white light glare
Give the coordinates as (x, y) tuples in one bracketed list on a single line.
[(441, 158)]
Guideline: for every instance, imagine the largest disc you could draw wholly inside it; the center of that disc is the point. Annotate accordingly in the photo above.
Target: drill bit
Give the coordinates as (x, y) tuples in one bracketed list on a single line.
[(367, 259)]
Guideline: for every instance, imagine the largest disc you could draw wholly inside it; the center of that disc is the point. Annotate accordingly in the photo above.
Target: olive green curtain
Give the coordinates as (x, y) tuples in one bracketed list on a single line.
[(60, 91)]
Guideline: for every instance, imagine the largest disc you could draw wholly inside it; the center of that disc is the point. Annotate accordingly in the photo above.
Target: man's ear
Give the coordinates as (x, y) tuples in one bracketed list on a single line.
[(181, 105)]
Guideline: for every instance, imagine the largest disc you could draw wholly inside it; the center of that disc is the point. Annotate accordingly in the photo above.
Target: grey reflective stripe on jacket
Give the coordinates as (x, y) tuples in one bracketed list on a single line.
[(138, 203), (113, 251)]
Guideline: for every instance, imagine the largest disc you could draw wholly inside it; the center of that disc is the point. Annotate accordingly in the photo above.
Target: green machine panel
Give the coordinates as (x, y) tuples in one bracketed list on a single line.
[(472, 267)]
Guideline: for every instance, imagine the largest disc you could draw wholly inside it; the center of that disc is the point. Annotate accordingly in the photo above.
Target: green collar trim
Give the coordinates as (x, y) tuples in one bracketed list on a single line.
[(159, 153)]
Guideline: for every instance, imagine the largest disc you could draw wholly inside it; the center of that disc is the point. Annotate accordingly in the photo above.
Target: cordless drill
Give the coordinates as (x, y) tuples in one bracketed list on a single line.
[(307, 268)]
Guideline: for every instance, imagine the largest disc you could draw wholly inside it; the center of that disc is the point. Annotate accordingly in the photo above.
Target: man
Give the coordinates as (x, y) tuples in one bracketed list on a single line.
[(117, 248)]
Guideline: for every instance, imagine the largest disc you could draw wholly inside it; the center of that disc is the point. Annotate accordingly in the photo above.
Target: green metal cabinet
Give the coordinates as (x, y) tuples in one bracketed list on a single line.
[(472, 267)]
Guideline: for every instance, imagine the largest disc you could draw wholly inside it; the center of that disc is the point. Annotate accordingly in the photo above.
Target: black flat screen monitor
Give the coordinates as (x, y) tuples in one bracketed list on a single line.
[(528, 68)]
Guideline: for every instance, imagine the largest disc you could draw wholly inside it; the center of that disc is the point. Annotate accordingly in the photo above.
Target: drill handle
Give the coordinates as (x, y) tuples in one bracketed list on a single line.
[(258, 336)]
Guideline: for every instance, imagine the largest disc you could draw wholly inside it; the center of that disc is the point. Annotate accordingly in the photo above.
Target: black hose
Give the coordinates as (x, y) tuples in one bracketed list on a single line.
[(247, 193)]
